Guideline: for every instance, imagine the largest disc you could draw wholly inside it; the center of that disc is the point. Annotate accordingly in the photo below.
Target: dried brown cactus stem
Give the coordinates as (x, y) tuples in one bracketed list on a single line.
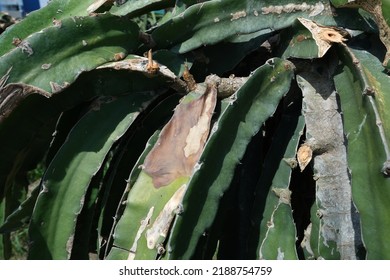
[(152, 67)]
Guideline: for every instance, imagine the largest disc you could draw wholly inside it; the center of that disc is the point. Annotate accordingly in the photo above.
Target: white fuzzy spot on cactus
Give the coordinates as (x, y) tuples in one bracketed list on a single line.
[(270, 224), (197, 166), (26, 48), (57, 23), (271, 62), (293, 8), (44, 188), (69, 245), (283, 194), (237, 15), (216, 20), (232, 99), (144, 223), (84, 43), (256, 13), (214, 128), (305, 244), (280, 254), (55, 87), (46, 66), (159, 230), (179, 209)]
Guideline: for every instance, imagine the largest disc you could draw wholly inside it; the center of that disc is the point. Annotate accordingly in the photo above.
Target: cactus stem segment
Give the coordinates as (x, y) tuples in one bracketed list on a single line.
[(144, 224), (374, 7), (386, 165), (159, 229), (367, 89)]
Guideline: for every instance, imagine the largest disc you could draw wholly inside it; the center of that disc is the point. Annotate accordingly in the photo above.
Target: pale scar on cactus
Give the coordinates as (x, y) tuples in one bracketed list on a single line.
[(304, 156), (291, 8), (144, 223), (161, 225), (324, 36)]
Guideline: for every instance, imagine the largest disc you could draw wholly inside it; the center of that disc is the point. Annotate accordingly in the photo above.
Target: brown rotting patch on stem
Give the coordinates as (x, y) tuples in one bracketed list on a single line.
[(175, 153)]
